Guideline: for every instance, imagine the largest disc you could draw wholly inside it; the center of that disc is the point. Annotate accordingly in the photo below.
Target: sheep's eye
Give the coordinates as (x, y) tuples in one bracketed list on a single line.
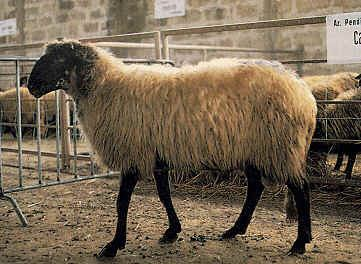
[(60, 83)]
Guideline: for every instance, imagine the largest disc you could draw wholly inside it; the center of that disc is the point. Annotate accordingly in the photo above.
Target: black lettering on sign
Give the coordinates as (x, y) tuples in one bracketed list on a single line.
[(357, 37)]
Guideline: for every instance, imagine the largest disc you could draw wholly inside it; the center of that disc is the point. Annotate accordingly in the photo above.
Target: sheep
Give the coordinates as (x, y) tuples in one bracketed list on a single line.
[(8, 108), (223, 114), (328, 87), (340, 86), (344, 123)]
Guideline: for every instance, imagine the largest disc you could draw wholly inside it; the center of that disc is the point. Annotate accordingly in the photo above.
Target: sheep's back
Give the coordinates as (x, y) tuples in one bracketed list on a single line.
[(328, 87)]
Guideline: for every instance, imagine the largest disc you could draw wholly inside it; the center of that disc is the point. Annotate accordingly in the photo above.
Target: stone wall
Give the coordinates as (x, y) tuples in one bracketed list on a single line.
[(43, 20)]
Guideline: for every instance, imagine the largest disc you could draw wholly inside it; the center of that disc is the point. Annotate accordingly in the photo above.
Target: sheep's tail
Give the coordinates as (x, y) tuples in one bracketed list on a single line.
[(290, 206)]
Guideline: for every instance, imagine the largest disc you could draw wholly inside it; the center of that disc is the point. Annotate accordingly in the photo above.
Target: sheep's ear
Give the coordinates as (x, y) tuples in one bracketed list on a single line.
[(61, 46), (54, 47)]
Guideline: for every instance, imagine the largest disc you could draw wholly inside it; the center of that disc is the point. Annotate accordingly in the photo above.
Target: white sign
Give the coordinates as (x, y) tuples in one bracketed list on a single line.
[(8, 27), (169, 8), (344, 38)]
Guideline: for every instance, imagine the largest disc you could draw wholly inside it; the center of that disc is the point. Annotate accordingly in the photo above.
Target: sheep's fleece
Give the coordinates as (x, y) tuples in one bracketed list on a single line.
[(220, 114)]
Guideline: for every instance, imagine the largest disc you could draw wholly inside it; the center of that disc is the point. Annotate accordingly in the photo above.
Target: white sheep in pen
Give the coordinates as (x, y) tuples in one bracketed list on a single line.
[(224, 114)]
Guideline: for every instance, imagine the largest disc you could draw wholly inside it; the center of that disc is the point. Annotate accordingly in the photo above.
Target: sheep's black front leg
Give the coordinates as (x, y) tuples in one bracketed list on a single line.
[(129, 180), (254, 192), (338, 161), (302, 197), (162, 182), (350, 163)]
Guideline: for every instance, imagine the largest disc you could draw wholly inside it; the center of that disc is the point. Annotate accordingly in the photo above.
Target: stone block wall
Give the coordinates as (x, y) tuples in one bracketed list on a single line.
[(45, 20)]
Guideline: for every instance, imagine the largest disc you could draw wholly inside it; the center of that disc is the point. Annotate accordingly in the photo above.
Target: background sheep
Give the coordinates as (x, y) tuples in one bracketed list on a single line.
[(224, 114), (327, 87), (347, 125), (330, 86), (8, 108)]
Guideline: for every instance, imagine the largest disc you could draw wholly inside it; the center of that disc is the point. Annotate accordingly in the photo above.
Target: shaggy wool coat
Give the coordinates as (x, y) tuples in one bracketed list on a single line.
[(221, 114)]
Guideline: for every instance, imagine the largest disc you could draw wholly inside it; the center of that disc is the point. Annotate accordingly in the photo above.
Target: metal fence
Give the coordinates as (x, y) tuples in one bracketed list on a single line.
[(67, 162)]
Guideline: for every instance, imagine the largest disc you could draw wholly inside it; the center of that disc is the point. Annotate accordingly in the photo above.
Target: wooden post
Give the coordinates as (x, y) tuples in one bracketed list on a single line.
[(65, 135)]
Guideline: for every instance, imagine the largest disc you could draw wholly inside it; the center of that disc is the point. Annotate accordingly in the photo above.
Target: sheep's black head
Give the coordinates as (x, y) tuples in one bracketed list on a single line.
[(62, 61)]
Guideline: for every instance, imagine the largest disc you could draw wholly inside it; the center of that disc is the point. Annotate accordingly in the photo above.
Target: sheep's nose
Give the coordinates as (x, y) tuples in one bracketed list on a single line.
[(35, 93)]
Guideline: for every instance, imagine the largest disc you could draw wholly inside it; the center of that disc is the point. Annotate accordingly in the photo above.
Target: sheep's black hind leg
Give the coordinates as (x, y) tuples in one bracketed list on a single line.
[(254, 192), (162, 182), (302, 197), (350, 163), (290, 206), (338, 161), (129, 180)]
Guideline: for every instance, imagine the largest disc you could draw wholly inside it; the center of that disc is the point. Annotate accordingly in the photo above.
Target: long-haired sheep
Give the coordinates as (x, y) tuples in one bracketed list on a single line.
[(345, 123), (339, 86), (222, 114), (328, 87), (8, 108)]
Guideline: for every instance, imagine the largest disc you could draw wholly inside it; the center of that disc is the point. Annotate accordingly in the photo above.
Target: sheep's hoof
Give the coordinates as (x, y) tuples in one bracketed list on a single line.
[(298, 248), (291, 219), (291, 215), (231, 233), (168, 237), (108, 251)]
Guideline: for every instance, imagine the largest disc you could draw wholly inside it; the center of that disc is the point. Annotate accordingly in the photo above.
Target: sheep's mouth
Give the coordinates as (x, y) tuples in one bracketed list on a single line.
[(37, 93)]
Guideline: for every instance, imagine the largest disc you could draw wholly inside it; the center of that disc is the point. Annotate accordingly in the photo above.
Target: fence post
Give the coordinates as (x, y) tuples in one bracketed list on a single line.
[(300, 56), (19, 134), (64, 128), (165, 46), (157, 45), (205, 53)]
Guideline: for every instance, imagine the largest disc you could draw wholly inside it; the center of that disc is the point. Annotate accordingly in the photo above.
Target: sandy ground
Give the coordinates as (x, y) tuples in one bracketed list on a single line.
[(69, 223)]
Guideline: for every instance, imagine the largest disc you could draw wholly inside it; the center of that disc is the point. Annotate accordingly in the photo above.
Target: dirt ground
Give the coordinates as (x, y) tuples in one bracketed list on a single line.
[(69, 223)]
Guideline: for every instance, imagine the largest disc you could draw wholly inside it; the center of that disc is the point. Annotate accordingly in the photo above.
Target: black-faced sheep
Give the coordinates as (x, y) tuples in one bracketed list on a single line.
[(222, 114)]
